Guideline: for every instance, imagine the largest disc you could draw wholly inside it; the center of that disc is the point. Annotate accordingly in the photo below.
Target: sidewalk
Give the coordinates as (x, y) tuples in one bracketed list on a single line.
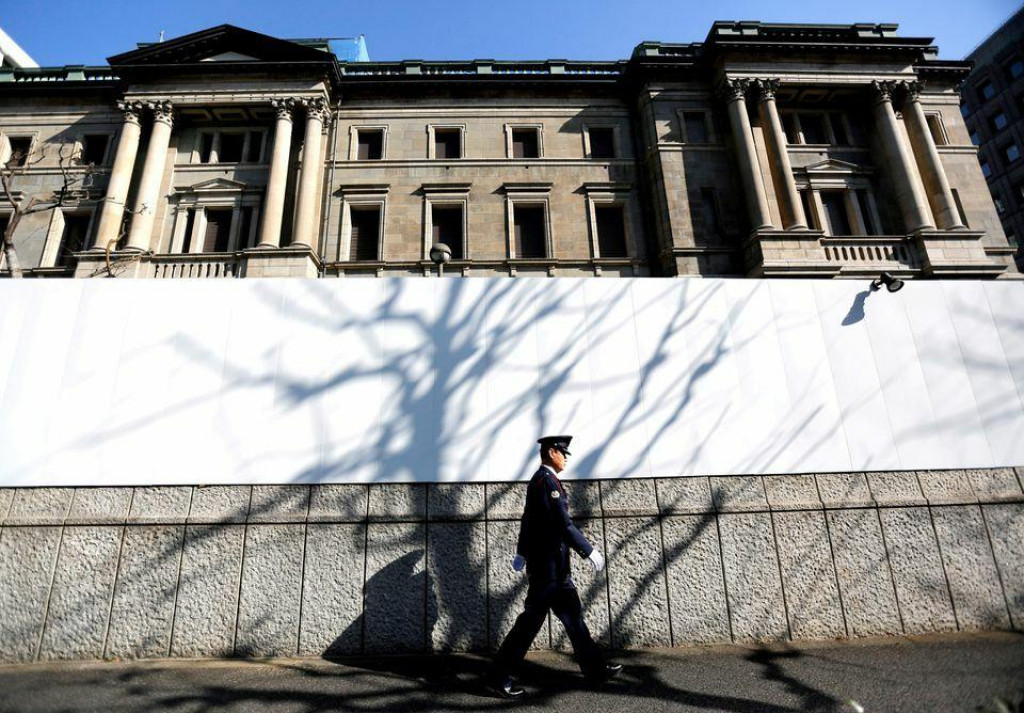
[(936, 673)]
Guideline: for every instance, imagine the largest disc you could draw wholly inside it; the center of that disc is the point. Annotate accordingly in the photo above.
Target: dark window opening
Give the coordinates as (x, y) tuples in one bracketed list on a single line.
[(446, 227), (1016, 68), (710, 213), (986, 90), (245, 227), (834, 203), (230, 150), (813, 126), (94, 149), (73, 239), (20, 146), (789, 126), (365, 235), (602, 142), (998, 122), (447, 143), (1012, 153), (530, 238), (696, 127), (865, 211), (5, 220), (218, 229), (525, 143), (371, 145), (809, 214), (205, 148), (255, 147), (839, 130), (190, 222), (611, 231)]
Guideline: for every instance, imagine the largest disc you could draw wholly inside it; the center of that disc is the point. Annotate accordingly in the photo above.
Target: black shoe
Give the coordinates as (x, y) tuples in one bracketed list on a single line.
[(506, 688), (608, 672)]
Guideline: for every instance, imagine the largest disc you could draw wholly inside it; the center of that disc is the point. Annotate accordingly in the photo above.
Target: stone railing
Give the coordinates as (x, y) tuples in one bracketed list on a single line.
[(199, 265), (875, 252), (88, 573)]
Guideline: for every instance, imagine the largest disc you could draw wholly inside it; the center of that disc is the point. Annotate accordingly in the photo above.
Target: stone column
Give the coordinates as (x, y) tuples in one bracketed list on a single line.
[(141, 231), (940, 197), (733, 91), (273, 204), (112, 208), (775, 138), (912, 202), (312, 173)]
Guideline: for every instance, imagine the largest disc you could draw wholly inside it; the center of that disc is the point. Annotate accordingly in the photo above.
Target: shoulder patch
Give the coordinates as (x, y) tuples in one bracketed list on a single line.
[(554, 494)]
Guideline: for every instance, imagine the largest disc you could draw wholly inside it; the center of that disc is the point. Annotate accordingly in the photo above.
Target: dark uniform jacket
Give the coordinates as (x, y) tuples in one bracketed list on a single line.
[(546, 532)]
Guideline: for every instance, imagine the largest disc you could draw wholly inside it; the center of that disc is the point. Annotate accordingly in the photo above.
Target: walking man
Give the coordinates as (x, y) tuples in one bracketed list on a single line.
[(546, 534)]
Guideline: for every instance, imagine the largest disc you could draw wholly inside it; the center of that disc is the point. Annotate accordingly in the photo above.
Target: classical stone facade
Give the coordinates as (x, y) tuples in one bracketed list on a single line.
[(766, 150)]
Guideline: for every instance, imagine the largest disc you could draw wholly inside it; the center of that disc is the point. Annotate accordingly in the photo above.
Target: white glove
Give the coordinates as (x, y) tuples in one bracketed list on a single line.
[(518, 562), (596, 560)]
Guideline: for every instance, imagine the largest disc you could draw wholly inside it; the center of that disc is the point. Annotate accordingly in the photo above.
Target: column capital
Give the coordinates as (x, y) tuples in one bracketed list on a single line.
[(883, 89), (283, 107), (765, 88), (163, 111), (730, 90), (913, 89), (316, 107), (130, 110)]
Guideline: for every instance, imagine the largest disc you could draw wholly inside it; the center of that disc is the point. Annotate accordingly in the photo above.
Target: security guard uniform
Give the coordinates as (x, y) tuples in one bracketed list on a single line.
[(546, 535)]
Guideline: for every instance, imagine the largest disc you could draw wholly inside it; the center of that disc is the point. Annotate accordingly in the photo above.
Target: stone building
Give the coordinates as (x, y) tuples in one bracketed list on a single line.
[(766, 150), (992, 104)]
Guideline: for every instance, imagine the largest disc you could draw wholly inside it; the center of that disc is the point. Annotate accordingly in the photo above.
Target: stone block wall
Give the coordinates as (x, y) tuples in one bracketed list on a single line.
[(298, 570)]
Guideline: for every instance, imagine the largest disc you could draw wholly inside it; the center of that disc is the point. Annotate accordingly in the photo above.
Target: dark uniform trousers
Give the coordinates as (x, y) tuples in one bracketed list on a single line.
[(547, 535)]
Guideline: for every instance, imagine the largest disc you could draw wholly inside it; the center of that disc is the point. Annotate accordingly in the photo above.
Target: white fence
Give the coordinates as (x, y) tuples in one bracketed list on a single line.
[(123, 382)]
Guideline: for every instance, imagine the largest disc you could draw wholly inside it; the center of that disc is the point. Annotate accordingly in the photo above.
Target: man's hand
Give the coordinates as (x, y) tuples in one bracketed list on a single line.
[(596, 560), (518, 562)]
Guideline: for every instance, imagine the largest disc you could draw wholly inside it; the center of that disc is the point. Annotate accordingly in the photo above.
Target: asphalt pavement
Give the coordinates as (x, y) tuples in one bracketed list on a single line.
[(949, 673)]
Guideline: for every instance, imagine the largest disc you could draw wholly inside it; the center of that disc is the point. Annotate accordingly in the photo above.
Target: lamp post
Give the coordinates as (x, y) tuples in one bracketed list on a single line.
[(440, 254)]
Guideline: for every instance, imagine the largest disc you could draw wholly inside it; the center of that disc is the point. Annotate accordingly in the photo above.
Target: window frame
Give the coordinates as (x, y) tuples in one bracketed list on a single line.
[(80, 147), (360, 197), (616, 140), (215, 196), (509, 128), (353, 141), (431, 140), (709, 129), (445, 195), (934, 123), (55, 234), (6, 150), (197, 148), (617, 196), (982, 86)]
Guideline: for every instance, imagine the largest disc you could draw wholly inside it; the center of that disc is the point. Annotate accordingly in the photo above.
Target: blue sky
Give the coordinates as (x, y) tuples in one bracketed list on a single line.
[(86, 32)]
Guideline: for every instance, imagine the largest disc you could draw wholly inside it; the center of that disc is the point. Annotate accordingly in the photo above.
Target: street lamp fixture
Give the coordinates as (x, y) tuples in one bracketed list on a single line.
[(440, 254), (892, 284)]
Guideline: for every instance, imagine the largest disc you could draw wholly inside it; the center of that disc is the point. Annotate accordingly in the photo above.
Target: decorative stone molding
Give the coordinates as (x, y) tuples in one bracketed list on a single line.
[(283, 107), (913, 89), (733, 89), (766, 88), (130, 110), (163, 111), (316, 107), (883, 89)]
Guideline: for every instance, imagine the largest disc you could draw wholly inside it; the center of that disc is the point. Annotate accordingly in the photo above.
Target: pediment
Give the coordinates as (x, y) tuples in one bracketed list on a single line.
[(225, 43), (217, 184), (833, 165)]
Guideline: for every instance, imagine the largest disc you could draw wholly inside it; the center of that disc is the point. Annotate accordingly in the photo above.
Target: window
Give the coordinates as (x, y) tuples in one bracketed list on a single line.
[(965, 110), (998, 122), (218, 230), (834, 203), (446, 223), (789, 125), (710, 213), (247, 228), (809, 213), (73, 238), (695, 127), (1016, 68), (610, 221), (447, 143), (935, 129), (813, 126), (364, 241), (94, 149), (986, 90), (602, 141), (986, 169), (525, 143), (975, 139), (864, 204), (230, 146), (529, 225), (960, 208), (370, 144), (20, 148), (1011, 152), (838, 130), (1000, 206)]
